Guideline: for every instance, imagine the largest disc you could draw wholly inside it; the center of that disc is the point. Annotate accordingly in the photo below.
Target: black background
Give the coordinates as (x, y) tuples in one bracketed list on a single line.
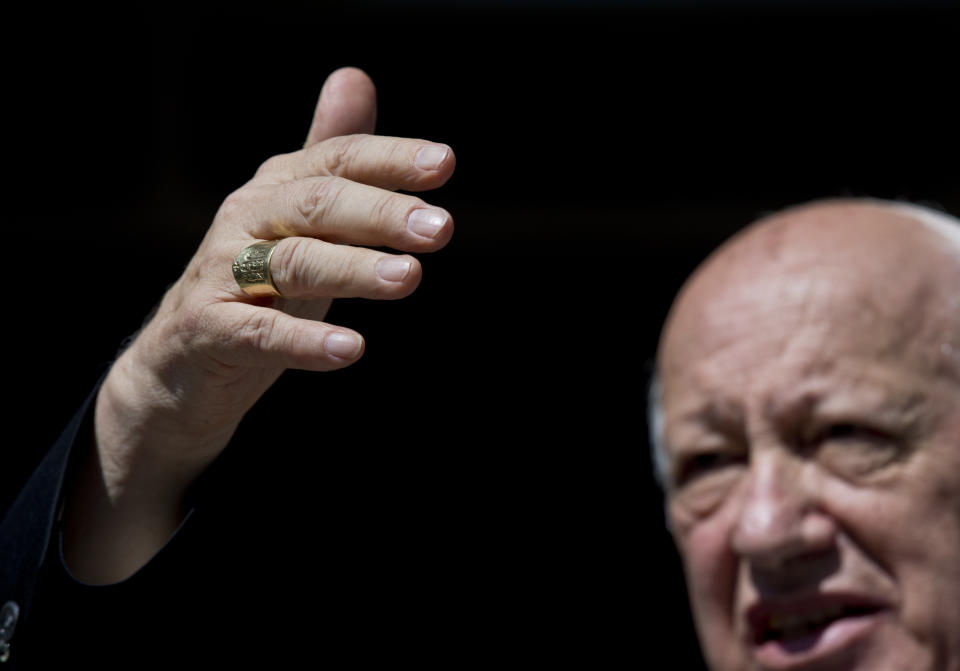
[(487, 457)]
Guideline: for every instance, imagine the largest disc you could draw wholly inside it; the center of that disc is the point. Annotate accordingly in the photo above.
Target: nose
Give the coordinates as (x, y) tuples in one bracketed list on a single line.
[(779, 517)]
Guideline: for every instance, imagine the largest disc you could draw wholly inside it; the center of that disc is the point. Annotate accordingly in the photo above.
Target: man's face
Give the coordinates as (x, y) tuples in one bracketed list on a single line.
[(811, 390)]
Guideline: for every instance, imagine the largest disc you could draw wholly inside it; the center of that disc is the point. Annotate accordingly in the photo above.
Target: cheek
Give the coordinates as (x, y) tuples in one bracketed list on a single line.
[(916, 564), (927, 569), (711, 569)]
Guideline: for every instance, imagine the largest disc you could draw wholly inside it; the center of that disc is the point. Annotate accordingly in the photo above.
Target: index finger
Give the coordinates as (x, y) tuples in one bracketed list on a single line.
[(386, 162)]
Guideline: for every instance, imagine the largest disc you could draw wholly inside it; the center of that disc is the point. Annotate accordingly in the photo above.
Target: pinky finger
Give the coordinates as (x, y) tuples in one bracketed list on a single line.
[(260, 337)]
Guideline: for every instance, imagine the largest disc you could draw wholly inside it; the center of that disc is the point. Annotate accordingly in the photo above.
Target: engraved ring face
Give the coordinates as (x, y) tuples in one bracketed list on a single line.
[(251, 269)]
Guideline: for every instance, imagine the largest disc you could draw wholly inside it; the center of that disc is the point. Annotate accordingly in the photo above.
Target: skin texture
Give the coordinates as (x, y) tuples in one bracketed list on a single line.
[(811, 394), (173, 399)]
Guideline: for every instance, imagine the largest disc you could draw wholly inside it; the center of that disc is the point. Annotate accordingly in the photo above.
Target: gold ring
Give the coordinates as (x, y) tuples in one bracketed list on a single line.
[(251, 269)]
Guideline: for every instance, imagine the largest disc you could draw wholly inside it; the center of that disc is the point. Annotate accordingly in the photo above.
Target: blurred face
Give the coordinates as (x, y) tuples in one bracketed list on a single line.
[(811, 378)]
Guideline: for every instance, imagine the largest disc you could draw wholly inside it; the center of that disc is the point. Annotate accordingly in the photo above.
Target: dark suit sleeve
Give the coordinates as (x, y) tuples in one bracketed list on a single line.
[(59, 617), (28, 526), (269, 567), (170, 605)]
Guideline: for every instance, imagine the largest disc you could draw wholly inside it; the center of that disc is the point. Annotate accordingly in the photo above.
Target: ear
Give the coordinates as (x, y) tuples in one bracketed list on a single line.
[(347, 105)]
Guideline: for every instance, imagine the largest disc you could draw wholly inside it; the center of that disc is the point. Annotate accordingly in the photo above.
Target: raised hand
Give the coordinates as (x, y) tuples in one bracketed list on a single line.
[(173, 399)]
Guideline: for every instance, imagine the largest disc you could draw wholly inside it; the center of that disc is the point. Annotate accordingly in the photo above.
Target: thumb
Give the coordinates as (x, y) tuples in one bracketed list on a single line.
[(347, 105)]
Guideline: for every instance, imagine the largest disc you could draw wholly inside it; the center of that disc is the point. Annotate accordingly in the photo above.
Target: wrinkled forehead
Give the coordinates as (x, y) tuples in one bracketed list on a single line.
[(833, 278)]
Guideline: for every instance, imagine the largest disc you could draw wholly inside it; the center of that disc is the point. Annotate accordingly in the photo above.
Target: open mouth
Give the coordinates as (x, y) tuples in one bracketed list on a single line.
[(807, 632), (801, 629)]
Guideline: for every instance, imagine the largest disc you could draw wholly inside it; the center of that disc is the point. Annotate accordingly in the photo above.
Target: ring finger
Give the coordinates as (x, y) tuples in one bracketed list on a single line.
[(305, 268)]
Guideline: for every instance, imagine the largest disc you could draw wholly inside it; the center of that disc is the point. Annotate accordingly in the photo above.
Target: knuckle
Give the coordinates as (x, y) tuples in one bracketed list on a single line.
[(342, 271), (187, 322), (289, 344), (319, 198), (194, 327), (340, 153), (398, 153), (398, 162), (268, 166), (257, 331), (207, 267), (393, 217), (275, 165), (290, 267), (234, 206), (392, 208), (300, 271)]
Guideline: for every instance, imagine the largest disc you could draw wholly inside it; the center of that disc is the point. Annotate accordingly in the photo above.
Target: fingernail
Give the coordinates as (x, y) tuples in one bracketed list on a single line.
[(343, 345), (430, 157), (426, 222), (393, 269)]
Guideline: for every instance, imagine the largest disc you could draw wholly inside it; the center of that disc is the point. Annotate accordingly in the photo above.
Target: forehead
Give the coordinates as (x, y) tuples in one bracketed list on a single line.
[(803, 292)]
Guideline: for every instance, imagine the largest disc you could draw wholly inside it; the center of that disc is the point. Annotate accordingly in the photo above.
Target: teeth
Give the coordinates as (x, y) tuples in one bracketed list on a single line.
[(806, 621)]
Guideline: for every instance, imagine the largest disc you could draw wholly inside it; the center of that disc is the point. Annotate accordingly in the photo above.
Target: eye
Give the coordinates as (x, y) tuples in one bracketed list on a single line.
[(698, 465), (855, 450), (704, 480), (849, 431)]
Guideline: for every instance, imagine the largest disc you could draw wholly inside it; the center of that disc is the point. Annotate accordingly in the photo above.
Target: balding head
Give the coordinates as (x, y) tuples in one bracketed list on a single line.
[(810, 386), (887, 261), (867, 263)]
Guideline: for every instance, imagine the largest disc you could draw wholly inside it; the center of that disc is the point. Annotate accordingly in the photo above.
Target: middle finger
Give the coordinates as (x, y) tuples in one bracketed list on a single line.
[(338, 210)]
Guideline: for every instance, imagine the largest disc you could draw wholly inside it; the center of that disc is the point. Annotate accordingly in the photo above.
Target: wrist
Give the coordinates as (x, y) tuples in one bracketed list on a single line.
[(151, 442)]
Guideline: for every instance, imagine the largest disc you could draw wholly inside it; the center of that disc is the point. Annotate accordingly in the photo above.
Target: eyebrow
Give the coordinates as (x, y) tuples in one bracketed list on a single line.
[(724, 417), (840, 394), (715, 414), (820, 396)]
